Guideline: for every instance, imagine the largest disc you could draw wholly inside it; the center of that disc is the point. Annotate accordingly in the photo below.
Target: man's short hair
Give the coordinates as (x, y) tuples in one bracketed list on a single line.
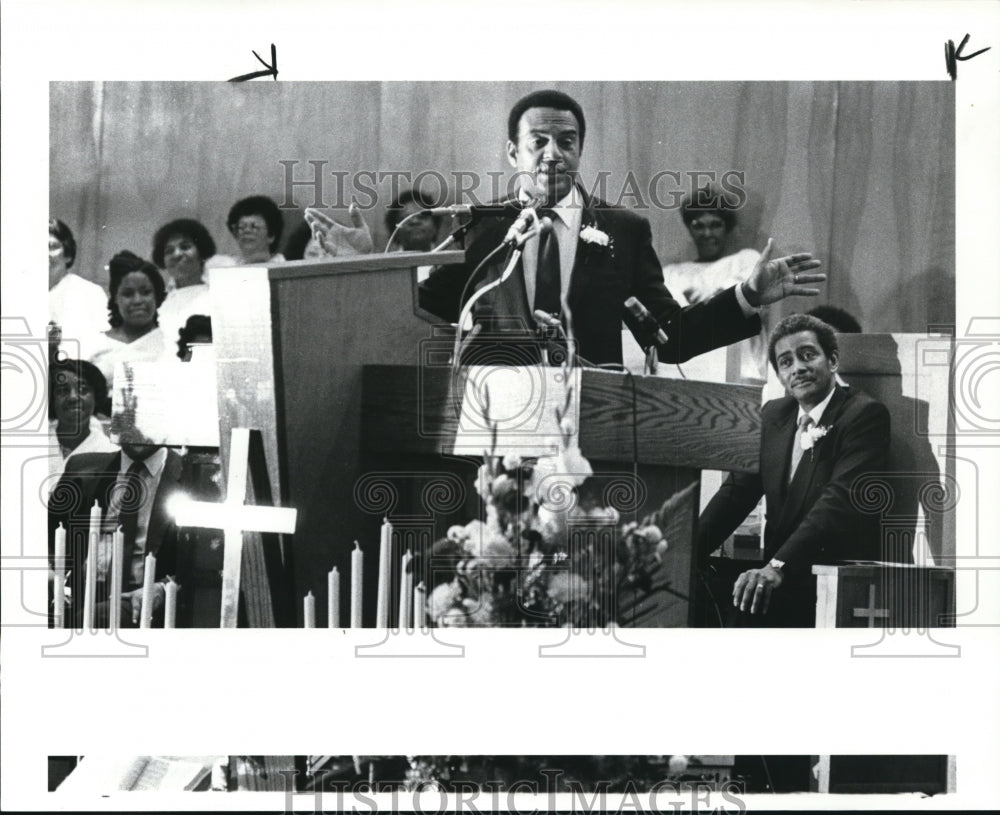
[(394, 212), (189, 228), (707, 199), (793, 324), (545, 99), (838, 319), (63, 234), (264, 207)]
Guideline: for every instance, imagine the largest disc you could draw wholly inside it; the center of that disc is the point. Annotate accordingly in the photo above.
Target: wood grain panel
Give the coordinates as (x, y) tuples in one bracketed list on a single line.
[(682, 424)]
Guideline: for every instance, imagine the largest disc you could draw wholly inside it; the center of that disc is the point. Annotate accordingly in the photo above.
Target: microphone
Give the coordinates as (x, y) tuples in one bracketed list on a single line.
[(647, 331), (527, 216)]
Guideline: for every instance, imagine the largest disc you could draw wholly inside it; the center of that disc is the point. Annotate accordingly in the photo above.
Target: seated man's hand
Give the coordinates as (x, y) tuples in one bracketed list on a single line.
[(773, 280), (752, 590), (337, 240), (134, 599)]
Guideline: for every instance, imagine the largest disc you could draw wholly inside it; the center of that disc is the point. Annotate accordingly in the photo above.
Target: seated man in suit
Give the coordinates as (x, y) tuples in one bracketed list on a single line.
[(815, 443), (595, 258), (133, 487)]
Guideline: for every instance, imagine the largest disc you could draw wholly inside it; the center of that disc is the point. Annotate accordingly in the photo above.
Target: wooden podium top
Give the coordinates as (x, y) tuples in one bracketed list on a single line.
[(678, 423)]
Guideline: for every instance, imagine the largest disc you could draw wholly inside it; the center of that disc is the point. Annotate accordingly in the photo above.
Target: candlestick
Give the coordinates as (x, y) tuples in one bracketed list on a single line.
[(117, 565), (59, 579), (405, 591), (148, 581), (170, 608), (384, 575), (333, 598), (90, 584), (309, 610), (357, 566), (420, 607)]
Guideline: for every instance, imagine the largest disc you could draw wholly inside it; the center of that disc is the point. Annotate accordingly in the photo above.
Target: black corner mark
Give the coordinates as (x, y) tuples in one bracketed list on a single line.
[(952, 56), (270, 70)]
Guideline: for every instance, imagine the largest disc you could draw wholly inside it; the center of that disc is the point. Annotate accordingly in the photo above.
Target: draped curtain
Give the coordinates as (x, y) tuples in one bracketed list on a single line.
[(860, 173)]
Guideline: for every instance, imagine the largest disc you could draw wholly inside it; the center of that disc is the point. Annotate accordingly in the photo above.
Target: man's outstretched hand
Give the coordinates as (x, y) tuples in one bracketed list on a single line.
[(337, 240), (774, 280)]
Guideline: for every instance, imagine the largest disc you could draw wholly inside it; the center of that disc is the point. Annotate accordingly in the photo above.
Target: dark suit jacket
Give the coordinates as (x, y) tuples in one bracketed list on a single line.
[(813, 519), (89, 477), (603, 278)]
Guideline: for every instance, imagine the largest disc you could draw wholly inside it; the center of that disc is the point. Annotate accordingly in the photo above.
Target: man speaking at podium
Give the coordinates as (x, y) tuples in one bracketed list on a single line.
[(593, 258)]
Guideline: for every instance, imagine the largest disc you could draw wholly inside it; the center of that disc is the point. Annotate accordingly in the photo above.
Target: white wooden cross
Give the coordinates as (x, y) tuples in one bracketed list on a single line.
[(234, 516), (872, 611)]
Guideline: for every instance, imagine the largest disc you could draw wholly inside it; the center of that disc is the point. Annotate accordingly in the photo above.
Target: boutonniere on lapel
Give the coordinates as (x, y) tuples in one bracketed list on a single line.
[(811, 436), (596, 237)]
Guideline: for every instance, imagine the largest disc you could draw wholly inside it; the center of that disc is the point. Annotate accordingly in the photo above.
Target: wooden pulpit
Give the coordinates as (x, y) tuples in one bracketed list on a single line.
[(351, 388)]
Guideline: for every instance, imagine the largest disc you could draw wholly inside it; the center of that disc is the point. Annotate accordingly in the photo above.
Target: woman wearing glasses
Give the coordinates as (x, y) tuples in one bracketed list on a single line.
[(256, 223)]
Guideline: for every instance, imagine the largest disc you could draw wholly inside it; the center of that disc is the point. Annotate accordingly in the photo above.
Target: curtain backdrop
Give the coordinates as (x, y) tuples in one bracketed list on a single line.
[(860, 173)]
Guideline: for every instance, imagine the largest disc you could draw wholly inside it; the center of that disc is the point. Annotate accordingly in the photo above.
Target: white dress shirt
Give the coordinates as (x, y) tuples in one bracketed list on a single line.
[(566, 222), (817, 412)]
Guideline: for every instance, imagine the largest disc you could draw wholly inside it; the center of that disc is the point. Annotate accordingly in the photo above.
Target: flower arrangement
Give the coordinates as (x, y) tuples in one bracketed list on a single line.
[(547, 551)]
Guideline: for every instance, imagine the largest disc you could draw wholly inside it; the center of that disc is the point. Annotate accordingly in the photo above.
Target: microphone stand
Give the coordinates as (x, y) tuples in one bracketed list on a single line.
[(518, 239), (652, 361)]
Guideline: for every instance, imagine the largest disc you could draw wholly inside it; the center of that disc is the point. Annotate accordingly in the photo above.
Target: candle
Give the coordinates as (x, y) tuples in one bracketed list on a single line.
[(59, 579), (357, 565), (117, 564), (405, 591), (333, 598), (309, 610), (384, 575), (170, 610), (148, 581), (90, 585), (420, 607)]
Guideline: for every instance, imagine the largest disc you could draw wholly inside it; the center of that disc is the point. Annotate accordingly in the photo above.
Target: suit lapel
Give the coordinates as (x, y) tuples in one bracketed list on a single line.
[(584, 259), (798, 489), (777, 452), (101, 483), (510, 300)]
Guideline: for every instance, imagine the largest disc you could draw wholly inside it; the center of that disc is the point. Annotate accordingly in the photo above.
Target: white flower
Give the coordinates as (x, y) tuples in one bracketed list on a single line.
[(484, 479), (476, 533), (511, 462), (458, 534), (442, 599), (590, 234), (571, 463), (811, 435)]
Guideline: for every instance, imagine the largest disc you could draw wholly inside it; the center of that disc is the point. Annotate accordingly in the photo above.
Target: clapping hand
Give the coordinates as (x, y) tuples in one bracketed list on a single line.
[(774, 280), (337, 240)]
